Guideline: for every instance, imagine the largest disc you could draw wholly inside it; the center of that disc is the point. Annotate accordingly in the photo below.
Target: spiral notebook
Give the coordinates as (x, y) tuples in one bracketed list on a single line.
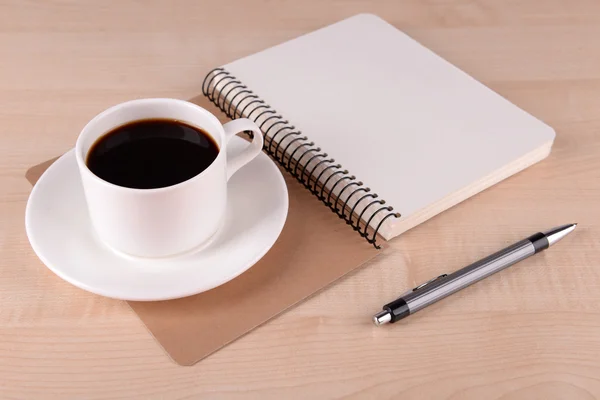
[(382, 130)]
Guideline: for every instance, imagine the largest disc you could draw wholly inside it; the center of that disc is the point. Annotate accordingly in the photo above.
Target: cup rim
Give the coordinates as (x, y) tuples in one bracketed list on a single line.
[(85, 169)]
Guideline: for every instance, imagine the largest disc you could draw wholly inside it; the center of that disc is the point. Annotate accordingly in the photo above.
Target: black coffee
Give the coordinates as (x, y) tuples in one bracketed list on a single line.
[(152, 153)]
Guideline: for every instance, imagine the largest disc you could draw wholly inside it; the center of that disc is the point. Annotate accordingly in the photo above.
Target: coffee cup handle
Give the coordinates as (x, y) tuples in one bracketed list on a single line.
[(234, 127)]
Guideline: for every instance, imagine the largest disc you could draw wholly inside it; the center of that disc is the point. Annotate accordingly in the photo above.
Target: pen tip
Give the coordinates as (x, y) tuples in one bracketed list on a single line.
[(556, 234)]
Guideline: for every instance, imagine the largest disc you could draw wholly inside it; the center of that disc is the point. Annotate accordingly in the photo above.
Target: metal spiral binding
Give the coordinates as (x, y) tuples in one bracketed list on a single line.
[(235, 100)]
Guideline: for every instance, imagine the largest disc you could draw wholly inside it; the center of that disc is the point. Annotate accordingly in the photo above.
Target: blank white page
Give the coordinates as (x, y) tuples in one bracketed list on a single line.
[(407, 123)]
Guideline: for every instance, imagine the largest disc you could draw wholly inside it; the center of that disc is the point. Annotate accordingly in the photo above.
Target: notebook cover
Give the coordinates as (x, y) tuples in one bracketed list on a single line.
[(417, 130), (315, 248)]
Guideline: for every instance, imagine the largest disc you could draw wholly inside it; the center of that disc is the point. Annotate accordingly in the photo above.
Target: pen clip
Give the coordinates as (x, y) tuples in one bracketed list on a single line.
[(422, 285)]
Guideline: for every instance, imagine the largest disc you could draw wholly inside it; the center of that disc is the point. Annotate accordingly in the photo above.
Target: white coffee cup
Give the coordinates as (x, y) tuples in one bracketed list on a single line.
[(170, 220)]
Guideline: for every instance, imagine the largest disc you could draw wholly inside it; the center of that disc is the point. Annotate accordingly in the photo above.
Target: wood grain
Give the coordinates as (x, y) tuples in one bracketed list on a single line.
[(532, 331)]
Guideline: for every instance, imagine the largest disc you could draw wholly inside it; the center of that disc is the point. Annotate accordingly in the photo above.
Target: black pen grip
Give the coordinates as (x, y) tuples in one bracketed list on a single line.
[(398, 309)]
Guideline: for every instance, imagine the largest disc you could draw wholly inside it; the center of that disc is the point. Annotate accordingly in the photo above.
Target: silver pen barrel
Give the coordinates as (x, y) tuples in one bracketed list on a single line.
[(452, 283)]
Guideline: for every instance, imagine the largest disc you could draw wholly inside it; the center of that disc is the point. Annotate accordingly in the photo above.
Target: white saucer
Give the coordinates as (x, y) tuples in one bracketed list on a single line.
[(61, 235)]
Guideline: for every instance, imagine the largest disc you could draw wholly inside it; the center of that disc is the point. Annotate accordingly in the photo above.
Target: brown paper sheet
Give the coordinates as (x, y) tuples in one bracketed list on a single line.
[(315, 248)]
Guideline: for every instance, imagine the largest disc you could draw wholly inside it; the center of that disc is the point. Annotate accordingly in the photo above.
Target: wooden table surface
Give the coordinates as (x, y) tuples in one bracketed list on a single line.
[(532, 331)]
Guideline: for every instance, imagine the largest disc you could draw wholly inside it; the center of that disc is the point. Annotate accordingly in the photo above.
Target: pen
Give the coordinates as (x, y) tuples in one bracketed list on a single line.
[(446, 284)]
